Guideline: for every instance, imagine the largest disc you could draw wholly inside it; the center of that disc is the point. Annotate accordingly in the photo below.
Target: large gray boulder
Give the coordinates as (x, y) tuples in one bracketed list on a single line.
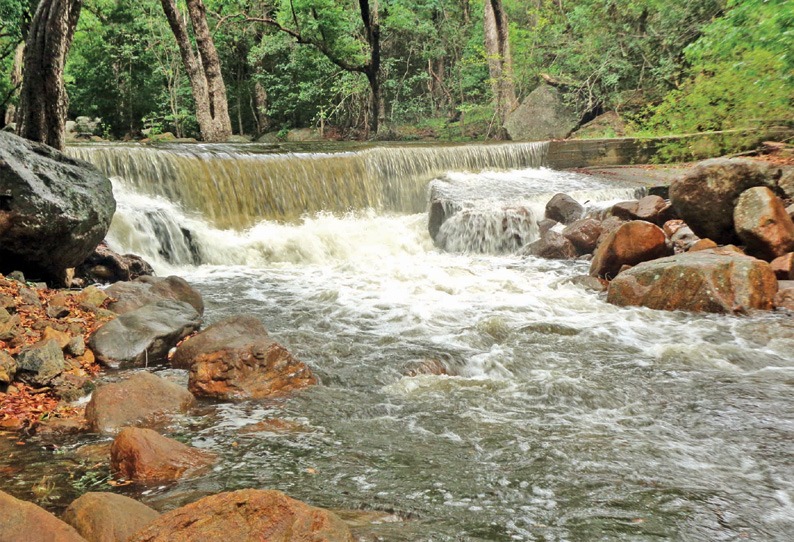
[(144, 335), (129, 296), (706, 195), (54, 210), (542, 115)]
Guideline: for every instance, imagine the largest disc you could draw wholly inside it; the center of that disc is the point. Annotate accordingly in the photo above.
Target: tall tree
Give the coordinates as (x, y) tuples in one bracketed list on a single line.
[(204, 70), (500, 62), (43, 99)]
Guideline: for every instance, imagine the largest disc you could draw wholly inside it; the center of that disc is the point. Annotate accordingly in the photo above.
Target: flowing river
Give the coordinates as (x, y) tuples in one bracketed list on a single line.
[(564, 419)]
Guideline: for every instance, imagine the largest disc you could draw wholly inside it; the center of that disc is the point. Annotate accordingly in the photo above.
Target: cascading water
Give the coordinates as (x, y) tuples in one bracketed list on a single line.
[(564, 418)]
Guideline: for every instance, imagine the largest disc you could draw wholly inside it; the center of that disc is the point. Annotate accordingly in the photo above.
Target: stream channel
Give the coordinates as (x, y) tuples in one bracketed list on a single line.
[(566, 418)]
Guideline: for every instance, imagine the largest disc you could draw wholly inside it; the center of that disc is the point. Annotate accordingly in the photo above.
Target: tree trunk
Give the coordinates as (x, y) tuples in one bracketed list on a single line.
[(369, 16), (204, 71), (500, 63), (260, 108), (43, 100)]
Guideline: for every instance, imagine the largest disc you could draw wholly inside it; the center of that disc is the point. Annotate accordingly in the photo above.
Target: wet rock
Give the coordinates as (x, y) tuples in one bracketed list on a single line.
[(633, 242), (22, 521), (54, 209), (563, 208), (70, 387), (761, 221), (107, 517), (247, 515), (542, 115), (545, 225), (427, 366), (144, 455), (654, 209), (104, 265), (141, 399), (583, 234), (712, 280), (235, 359), (145, 290), (706, 195), (625, 210), (587, 282), (552, 246), (783, 266), (39, 364), (53, 429), (8, 368), (609, 225), (144, 335), (274, 425)]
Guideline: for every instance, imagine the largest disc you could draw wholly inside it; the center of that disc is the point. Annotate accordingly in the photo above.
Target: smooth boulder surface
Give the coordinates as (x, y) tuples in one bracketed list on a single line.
[(714, 280), (706, 195), (563, 208), (108, 517), (632, 243), (144, 455), (140, 399), (247, 515), (22, 521), (54, 210), (762, 223), (236, 359), (144, 335), (584, 234), (542, 115), (128, 296)]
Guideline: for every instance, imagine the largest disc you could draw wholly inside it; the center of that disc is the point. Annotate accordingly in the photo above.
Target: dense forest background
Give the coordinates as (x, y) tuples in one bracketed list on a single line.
[(665, 66)]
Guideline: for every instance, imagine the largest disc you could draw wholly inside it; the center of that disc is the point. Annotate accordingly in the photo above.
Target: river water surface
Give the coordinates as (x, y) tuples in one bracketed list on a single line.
[(567, 419)]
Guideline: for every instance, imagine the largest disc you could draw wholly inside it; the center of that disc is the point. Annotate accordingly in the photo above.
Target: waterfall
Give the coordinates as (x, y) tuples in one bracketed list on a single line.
[(236, 187)]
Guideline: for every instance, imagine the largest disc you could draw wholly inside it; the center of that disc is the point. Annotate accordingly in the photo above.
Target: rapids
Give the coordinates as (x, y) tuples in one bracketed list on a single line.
[(568, 418)]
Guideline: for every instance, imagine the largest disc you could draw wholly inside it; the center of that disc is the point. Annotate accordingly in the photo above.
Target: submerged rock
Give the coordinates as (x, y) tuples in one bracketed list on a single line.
[(714, 280), (140, 399), (54, 210), (706, 195), (108, 517), (762, 223), (236, 359), (633, 242), (144, 455), (20, 520), (144, 335), (248, 515)]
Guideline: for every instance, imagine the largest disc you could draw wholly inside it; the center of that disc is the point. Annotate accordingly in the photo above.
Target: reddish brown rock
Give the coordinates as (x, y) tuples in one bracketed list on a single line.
[(247, 515), (702, 244), (141, 399), (235, 359), (428, 366), (146, 456), (608, 226), (712, 280), (22, 521), (706, 195), (584, 234), (783, 266), (763, 224), (625, 210), (784, 299), (633, 242), (653, 209), (552, 246), (107, 517)]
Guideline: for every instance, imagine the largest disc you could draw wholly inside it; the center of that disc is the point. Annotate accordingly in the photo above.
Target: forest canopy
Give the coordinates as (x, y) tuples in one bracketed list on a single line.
[(665, 66)]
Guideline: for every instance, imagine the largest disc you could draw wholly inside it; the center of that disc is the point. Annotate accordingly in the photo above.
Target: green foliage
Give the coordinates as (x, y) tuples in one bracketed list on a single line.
[(742, 72)]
